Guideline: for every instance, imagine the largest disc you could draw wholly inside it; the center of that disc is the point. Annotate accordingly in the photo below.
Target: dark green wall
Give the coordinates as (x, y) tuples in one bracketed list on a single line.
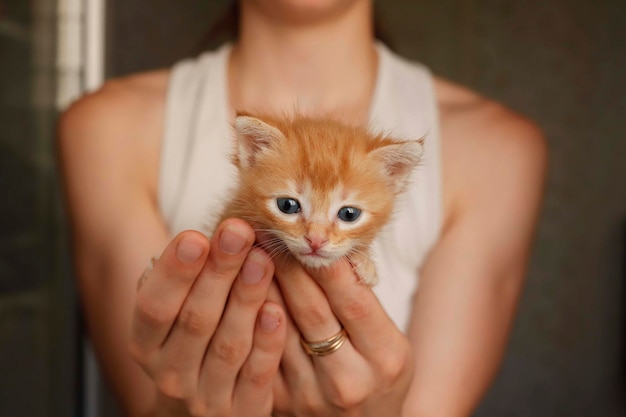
[(37, 304)]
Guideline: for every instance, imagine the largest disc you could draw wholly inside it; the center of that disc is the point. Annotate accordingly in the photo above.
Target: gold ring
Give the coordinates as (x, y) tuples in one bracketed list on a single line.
[(326, 346)]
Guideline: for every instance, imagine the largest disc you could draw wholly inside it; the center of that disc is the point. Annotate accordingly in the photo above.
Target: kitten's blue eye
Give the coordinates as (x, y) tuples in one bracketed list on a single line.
[(349, 214), (288, 205)]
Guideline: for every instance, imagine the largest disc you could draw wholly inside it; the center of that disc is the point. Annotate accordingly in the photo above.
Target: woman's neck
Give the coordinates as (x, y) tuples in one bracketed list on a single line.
[(322, 67)]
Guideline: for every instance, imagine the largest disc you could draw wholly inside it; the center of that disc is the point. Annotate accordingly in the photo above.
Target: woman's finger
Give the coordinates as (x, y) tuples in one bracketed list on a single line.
[(306, 302), (340, 377), (356, 306), (253, 392), (232, 341), (314, 383), (298, 386), (164, 290), (296, 366), (184, 349)]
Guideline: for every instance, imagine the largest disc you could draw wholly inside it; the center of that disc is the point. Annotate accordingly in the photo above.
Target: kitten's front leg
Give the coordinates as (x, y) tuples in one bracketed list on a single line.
[(364, 267)]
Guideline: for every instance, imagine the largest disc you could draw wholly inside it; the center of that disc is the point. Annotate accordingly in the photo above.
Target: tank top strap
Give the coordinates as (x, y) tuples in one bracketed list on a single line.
[(405, 105), (196, 98)]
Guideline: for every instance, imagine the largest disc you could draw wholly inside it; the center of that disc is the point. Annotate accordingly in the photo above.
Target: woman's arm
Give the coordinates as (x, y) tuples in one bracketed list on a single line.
[(494, 167), (199, 324), (108, 147)]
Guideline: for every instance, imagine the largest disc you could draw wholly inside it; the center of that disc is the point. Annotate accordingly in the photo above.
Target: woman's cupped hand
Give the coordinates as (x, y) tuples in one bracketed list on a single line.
[(219, 330), (203, 329)]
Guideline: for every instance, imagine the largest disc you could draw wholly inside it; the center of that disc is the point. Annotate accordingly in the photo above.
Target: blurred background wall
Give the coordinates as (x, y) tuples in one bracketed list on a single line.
[(560, 62), (38, 316)]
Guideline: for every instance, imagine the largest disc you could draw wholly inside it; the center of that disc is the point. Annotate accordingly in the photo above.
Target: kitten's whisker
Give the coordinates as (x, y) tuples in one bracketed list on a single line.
[(274, 246), (278, 252), (271, 231), (356, 252), (272, 243)]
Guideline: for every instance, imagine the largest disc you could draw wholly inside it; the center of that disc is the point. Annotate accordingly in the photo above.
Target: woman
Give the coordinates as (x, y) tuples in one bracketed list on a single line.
[(210, 332)]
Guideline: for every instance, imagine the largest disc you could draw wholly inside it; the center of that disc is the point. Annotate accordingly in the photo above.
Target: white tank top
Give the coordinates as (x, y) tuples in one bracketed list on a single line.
[(196, 173)]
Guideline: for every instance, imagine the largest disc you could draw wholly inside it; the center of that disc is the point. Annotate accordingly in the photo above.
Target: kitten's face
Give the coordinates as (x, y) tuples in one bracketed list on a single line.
[(319, 189), (322, 224)]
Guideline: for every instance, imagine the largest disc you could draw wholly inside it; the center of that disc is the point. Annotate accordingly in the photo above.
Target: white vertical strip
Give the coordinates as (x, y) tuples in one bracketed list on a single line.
[(69, 60), (94, 43), (81, 48)]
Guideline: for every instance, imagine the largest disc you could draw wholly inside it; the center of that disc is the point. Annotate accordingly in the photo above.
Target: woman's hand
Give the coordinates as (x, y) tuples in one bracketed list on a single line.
[(202, 328), (369, 375)]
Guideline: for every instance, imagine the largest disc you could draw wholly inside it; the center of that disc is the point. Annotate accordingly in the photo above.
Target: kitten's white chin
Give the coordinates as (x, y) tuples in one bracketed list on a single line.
[(313, 261)]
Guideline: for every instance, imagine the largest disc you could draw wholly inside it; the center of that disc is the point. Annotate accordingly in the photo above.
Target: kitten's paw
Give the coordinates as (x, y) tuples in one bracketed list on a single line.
[(366, 272)]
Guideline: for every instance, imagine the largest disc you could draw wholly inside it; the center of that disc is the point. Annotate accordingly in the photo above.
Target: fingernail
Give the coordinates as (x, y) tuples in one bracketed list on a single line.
[(269, 321), (231, 241), (188, 250), (253, 268)]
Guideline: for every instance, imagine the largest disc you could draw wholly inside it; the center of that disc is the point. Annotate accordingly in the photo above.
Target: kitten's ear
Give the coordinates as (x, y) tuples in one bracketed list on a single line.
[(254, 137), (398, 159)]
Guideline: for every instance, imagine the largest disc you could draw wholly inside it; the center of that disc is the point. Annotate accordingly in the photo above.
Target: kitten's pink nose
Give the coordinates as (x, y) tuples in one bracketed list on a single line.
[(316, 241)]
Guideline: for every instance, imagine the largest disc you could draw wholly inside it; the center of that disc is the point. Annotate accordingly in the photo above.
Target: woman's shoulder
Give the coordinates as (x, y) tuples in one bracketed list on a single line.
[(117, 127), (119, 110), (485, 145), (459, 105), (119, 103), (128, 103)]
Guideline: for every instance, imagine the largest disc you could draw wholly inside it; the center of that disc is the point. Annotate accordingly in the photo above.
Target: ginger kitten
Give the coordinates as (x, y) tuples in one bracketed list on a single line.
[(319, 189)]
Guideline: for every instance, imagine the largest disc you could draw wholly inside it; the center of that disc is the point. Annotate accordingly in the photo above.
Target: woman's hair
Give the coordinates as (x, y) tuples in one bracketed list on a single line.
[(226, 28)]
